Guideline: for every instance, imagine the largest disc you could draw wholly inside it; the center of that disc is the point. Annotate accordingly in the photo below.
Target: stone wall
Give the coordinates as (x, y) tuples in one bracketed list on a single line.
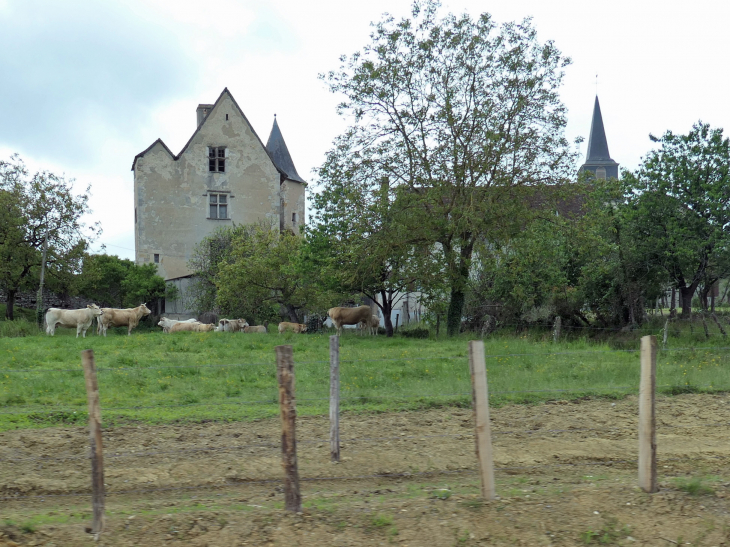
[(50, 300)]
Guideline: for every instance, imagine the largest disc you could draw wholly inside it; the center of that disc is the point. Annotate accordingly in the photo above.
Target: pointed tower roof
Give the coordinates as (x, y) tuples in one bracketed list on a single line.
[(280, 153), (598, 160), (597, 144)]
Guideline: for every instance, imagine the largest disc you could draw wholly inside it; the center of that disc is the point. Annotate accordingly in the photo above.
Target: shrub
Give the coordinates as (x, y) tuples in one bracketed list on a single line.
[(417, 332)]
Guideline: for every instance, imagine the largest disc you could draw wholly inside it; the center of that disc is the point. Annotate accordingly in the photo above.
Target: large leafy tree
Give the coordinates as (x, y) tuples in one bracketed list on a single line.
[(119, 283), (460, 112), (264, 272), (359, 242), (39, 210), (679, 208)]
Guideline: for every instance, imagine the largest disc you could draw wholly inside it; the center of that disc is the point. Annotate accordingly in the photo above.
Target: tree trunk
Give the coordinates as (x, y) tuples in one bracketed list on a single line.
[(292, 313), (453, 317), (387, 308), (685, 296), (458, 294), (10, 307)]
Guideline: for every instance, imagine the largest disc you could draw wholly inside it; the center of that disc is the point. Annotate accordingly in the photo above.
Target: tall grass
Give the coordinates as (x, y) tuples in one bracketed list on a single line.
[(17, 328), (154, 377)]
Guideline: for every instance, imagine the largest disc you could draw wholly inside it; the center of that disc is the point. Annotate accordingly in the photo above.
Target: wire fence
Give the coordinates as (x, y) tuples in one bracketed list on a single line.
[(502, 431)]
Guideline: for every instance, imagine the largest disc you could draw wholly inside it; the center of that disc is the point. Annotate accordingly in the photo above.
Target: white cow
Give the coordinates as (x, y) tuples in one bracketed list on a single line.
[(81, 319), (231, 325), (167, 324)]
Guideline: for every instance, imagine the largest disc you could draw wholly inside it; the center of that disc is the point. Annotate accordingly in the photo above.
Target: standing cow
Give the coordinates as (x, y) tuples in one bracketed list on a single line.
[(349, 316), (123, 318), (81, 319)]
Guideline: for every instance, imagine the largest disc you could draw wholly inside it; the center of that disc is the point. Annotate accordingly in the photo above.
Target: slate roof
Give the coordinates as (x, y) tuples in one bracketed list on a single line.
[(276, 147), (597, 155), (597, 144)]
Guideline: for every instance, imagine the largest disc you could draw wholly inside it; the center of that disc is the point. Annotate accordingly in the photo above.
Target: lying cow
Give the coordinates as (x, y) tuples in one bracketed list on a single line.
[(349, 316), (259, 329), (294, 327), (231, 325), (129, 318), (81, 319), (192, 327), (166, 323), (371, 325)]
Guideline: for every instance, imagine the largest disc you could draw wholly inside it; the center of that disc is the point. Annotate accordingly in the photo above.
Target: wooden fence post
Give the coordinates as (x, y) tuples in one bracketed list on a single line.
[(335, 398), (480, 399), (287, 406), (647, 415), (97, 456), (556, 329), (666, 334)]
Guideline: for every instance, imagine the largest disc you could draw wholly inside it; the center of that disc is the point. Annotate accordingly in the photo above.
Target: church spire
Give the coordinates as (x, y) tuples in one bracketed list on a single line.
[(598, 160)]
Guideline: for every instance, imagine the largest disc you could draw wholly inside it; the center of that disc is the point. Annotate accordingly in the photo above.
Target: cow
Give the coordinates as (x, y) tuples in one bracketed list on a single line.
[(260, 329), (349, 316), (129, 318), (166, 323), (294, 327), (81, 319), (192, 327), (372, 325), (231, 325)]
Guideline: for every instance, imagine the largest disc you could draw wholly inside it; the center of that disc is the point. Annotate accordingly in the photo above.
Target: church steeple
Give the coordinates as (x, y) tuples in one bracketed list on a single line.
[(598, 160)]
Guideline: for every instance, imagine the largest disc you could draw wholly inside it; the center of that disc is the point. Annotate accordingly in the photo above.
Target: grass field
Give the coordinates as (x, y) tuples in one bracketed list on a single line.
[(158, 378)]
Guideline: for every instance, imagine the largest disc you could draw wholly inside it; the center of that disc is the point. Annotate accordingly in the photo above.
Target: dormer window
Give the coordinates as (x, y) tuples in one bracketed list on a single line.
[(217, 159)]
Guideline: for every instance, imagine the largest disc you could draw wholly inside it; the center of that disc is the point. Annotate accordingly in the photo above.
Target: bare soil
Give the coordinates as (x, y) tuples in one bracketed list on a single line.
[(566, 475)]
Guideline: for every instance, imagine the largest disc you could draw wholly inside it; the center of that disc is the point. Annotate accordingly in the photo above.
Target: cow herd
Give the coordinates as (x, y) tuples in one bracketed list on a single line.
[(81, 320)]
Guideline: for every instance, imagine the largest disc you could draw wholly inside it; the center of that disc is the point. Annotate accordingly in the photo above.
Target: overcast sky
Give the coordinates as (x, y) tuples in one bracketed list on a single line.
[(87, 85)]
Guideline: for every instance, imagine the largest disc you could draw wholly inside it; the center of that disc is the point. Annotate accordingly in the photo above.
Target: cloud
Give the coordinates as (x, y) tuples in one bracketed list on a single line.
[(80, 72)]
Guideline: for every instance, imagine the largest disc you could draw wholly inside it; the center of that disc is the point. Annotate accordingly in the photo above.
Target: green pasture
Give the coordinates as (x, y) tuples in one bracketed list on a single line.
[(160, 378)]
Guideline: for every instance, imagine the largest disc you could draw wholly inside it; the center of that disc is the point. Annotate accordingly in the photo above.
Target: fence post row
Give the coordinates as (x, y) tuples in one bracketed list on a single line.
[(647, 415), (97, 456), (480, 400), (335, 398), (285, 377)]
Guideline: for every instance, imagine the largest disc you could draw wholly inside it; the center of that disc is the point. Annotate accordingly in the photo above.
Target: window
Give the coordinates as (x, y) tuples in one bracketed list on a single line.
[(217, 159), (157, 258), (293, 218), (218, 206)]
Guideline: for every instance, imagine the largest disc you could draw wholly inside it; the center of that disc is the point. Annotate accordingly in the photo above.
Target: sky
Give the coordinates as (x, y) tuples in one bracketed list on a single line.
[(86, 85)]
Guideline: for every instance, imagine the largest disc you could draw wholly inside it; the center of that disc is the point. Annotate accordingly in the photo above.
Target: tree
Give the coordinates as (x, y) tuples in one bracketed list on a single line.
[(361, 245), (680, 207), (460, 112), (40, 208), (209, 256), (264, 272), (115, 282)]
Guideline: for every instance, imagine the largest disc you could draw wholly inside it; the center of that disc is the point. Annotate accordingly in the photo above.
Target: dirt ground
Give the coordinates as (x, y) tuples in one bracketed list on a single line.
[(566, 475)]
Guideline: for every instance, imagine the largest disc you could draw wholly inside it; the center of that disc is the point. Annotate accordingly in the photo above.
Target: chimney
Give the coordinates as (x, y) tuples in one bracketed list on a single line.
[(202, 111)]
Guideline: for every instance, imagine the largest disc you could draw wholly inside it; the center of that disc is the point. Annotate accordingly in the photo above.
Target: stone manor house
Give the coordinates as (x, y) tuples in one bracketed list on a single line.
[(223, 175)]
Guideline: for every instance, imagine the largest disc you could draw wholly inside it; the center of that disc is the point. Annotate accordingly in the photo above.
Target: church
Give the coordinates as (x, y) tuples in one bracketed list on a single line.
[(224, 175)]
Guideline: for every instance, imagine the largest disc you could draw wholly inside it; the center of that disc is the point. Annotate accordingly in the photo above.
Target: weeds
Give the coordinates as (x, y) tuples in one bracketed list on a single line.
[(381, 521), (694, 486), (610, 533)]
